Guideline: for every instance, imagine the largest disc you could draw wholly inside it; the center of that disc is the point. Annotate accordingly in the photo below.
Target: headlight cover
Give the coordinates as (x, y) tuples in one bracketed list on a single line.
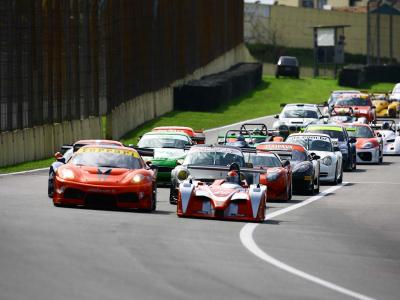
[(327, 161), (272, 176), (182, 174), (138, 178), (368, 145), (66, 174)]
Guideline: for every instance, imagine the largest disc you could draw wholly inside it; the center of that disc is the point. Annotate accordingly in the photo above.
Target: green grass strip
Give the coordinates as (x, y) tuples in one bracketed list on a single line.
[(263, 101)]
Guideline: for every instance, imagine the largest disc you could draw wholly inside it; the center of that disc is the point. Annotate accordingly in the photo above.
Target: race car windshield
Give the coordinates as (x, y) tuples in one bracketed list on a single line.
[(298, 113), (361, 132), (106, 160), (264, 160), (163, 141), (213, 158), (334, 134), (311, 143), (353, 102), (297, 156)]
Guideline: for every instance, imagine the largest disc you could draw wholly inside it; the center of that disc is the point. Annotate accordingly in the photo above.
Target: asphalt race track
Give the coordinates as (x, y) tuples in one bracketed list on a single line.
[(344, 245)]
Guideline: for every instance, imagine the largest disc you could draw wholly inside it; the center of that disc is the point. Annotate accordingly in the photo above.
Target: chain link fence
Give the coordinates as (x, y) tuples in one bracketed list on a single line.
[(69, 59)]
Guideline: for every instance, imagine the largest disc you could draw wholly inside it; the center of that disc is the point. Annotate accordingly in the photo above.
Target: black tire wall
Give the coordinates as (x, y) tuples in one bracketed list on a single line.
[(213, 90)]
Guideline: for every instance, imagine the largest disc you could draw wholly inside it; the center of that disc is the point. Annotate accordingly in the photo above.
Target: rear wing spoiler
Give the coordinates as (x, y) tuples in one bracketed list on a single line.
[(219, 172), (263, 130), (65, 148), (285, 153), (142, 151), (199, 137)]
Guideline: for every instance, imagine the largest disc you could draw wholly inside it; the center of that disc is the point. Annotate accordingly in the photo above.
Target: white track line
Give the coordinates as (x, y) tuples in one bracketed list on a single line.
[(246, 237), (24, 172)]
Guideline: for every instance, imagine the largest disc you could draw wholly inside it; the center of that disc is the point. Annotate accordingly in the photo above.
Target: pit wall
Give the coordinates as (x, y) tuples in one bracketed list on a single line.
[(43, 141)]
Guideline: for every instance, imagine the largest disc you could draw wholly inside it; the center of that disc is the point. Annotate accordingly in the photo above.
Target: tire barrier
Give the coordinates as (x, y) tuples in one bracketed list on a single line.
[(352, 75), (355, 75), (211, 91)]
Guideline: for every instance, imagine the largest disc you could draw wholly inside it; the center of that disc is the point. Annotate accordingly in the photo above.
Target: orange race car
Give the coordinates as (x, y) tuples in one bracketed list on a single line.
[(359, 104), (106, 176), (197, 136), (277, 176)]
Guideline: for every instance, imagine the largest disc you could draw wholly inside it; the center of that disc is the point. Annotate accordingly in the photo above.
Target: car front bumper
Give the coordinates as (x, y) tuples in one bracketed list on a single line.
[(365, 156)]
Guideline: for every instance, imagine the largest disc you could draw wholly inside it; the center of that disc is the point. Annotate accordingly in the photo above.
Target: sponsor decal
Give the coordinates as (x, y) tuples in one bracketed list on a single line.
[(109, 150)]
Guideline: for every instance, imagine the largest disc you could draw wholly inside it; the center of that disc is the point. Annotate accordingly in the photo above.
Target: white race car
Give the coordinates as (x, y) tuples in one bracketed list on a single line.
[(296, 116), (331, 167), (388, 130)]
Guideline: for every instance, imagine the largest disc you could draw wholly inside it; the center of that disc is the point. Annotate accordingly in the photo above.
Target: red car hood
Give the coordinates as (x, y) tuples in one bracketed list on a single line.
[(361, 141), (99, 176)]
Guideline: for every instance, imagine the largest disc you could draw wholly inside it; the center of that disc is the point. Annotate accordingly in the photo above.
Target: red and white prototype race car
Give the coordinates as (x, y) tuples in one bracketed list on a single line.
[(239, 196)]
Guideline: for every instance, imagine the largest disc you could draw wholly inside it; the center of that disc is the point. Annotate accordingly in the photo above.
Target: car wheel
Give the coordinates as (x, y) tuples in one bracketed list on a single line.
[(316, 191), (310, 188), (335, 180), (50, 186), (380, 157), (340, 180), (173, 199), (154, 199), (290, 193)]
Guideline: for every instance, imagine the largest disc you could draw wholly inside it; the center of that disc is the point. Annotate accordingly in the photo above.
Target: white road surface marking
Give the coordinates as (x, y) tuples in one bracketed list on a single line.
[(246, 237), (24, 172)]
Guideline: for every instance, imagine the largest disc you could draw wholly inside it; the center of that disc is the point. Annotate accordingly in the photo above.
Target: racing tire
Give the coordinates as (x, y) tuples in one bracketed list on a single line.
[(290, 193), (172, 198), (380, 158), (316, 191), (50, 187), (335, 180), (310, 188), (340, 180)]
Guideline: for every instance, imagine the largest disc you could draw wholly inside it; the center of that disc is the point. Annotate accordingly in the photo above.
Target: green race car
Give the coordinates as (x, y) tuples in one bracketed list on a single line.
[(169, 148)]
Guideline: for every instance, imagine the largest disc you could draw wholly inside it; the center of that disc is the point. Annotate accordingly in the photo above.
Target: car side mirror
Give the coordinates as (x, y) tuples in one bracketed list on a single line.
[(314, 156), (336, 148), (179, 162), (276, 116), (285, 163), (352, 140), (378, 134), (249, 165)]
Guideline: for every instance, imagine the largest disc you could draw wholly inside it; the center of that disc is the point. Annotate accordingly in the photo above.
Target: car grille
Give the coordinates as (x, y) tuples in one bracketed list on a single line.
[(100, 200), (128, 197), (366, 156), (323, 174), (71, 193)]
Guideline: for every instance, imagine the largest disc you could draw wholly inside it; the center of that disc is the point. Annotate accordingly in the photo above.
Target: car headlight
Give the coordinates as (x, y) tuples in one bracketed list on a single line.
[(66, 174), (182, 174), (368, 145), (301, 168), (137, 178), (272, 176), (327, 160)]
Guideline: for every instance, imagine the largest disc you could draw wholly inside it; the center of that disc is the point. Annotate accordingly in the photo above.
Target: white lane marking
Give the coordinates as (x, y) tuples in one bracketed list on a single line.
[(238, 123), (24, 172), (374, 182), (246, 237)]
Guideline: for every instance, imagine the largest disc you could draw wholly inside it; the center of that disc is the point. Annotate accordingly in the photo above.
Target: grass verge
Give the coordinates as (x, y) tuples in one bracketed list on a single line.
[(265, 100)]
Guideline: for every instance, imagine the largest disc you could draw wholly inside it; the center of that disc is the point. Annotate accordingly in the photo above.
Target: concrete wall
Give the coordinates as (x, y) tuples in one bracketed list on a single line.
[(146, 107), (43, 141), (292, 28)]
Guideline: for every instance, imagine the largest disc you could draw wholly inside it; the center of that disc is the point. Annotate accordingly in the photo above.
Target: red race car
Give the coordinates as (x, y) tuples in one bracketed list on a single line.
[(369, 147), (359, 104), (277, 176), (106, 176), (232, 198), (197, 136)]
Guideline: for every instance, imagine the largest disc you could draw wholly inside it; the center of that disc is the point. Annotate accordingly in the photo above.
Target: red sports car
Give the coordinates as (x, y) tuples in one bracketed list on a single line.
[(369, 147), (277, 176), (232, 198), (197, 136), (106, 176), (360, 105)]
